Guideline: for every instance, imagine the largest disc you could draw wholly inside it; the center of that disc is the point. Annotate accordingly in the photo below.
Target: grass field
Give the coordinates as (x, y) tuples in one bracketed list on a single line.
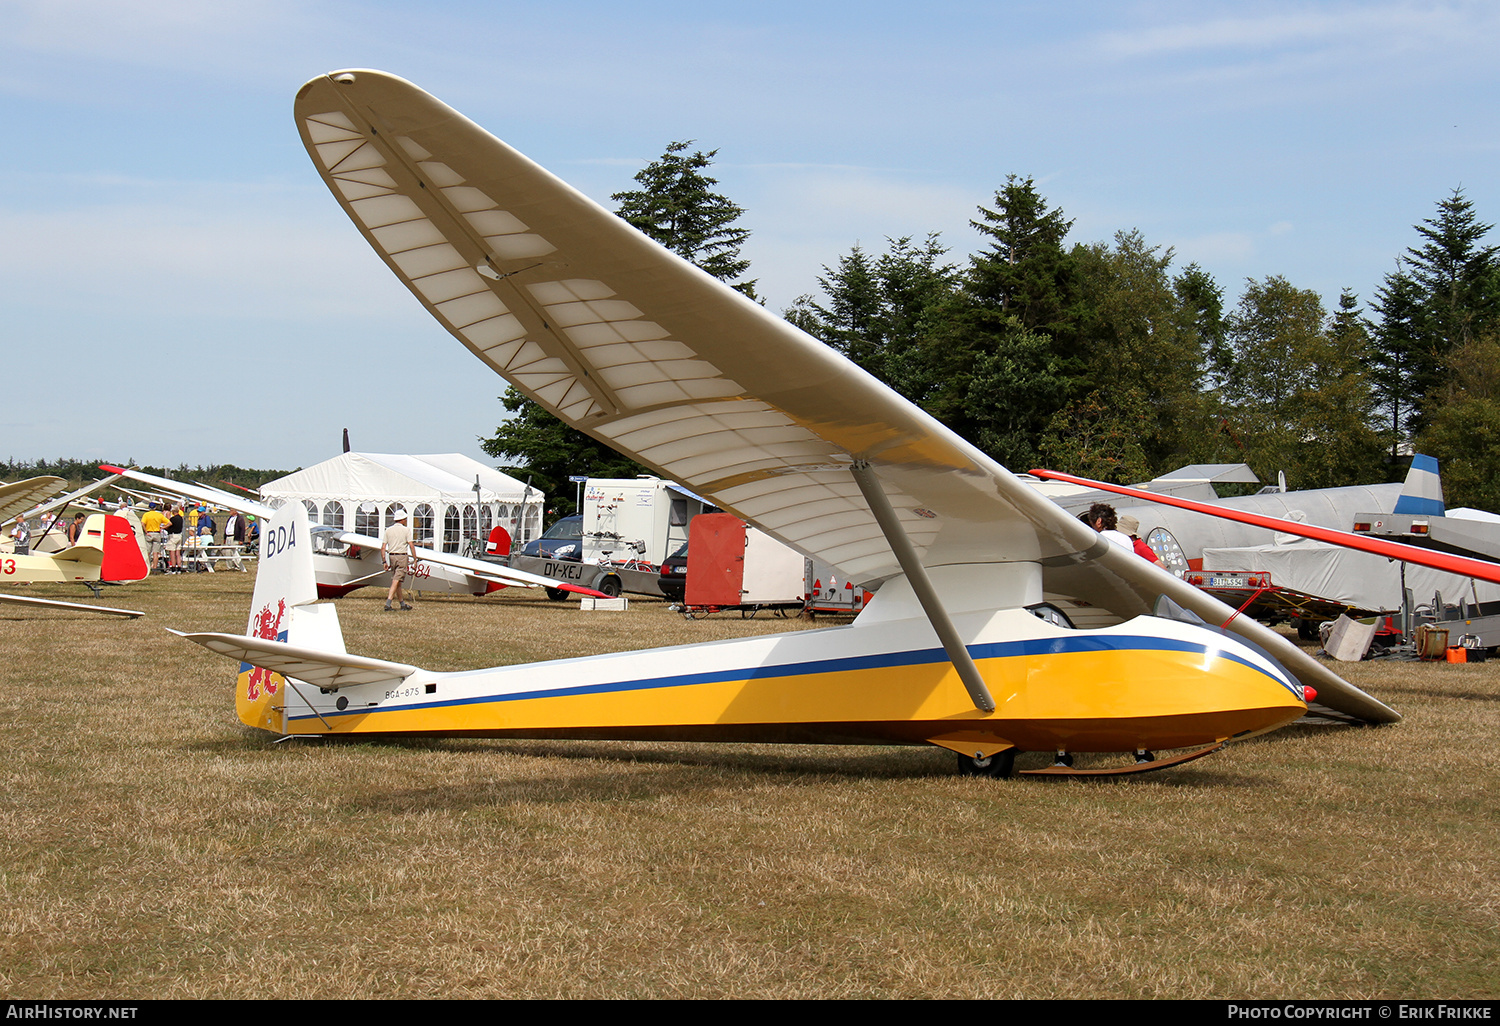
[(150, 846)]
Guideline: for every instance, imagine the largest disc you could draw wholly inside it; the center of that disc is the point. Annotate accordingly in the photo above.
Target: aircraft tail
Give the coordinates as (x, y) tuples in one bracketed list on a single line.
[(108, 542), (283, 609), (1422, 494)]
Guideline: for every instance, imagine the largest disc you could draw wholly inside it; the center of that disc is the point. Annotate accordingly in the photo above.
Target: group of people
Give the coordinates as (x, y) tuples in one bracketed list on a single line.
[(1119, 529), (181, 538), (20, 532)]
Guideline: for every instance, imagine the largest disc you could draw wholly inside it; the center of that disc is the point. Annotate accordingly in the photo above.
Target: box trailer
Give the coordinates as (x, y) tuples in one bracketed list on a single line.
[(733, 566)]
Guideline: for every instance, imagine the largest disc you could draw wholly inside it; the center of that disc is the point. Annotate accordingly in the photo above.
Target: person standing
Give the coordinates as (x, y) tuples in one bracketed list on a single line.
[(397, 554), (234, 535), (175, 524), (21, 535), (154, 523)]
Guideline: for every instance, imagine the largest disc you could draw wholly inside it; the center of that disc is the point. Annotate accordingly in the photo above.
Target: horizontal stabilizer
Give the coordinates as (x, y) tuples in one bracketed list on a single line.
[(327, 670), (73, 607)]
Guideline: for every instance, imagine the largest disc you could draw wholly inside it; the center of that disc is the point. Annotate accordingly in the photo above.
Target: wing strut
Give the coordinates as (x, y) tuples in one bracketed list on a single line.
[(921, 585)]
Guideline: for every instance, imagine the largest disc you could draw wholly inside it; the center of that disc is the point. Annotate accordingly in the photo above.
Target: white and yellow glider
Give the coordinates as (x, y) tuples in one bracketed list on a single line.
[(1001, 623), (106, 551)]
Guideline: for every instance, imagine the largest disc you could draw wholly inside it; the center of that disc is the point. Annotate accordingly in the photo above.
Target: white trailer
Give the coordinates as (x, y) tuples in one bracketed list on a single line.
[(642, 518)]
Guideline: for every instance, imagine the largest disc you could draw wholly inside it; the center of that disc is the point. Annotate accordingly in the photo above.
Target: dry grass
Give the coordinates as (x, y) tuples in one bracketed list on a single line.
[(152, 847)]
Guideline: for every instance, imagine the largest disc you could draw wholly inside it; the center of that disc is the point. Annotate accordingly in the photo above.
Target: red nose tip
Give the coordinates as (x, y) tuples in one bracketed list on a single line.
[(1308, 694)]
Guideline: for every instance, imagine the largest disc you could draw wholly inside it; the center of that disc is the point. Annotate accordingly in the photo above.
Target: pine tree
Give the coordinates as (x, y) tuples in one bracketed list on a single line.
[(676, 206), (1024, 273), (1444, 294), (880, 311)]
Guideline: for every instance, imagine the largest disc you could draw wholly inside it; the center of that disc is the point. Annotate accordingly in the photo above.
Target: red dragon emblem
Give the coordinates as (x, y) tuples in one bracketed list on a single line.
[(265, 625)]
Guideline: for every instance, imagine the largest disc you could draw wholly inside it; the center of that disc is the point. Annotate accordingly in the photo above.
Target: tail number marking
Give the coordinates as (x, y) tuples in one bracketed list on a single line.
[(280, 540)]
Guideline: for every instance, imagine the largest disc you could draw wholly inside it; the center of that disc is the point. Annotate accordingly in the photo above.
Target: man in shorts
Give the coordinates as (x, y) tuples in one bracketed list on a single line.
[(397, 554), (154, 524)]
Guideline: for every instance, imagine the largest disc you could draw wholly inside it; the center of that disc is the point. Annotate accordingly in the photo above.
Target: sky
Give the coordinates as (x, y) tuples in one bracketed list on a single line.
[(178, 287)]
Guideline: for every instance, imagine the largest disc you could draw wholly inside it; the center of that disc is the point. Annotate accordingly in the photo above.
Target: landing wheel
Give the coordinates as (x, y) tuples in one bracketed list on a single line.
[(1307, 630), (556, 594), (998, 766), (610, 586)]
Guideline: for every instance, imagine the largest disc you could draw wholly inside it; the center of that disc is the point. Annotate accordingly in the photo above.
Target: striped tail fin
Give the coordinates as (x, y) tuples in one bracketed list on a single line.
[(1422, 494)]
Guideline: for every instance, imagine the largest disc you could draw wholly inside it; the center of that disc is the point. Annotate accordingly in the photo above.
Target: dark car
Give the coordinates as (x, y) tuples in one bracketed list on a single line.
[(563, 540), (674, 575)]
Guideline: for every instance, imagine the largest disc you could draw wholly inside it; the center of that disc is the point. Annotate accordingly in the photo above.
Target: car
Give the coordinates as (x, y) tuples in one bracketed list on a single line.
[(563, 540), (673, 581)]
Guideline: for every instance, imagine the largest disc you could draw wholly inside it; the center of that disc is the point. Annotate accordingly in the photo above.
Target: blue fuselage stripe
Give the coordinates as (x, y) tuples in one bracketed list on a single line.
[(885, 660)]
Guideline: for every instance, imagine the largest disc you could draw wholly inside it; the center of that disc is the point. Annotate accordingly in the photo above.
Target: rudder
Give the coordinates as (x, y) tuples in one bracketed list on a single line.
[(282, 609)]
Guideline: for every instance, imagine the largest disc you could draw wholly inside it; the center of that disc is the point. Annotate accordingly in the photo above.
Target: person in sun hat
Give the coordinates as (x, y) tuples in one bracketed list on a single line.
[(397, 554), (1129, 525)]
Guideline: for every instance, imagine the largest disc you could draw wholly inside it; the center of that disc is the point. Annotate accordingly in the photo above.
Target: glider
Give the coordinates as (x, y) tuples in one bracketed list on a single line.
[(1000, 624), (1481, 569), (106, 551), (338, 574)]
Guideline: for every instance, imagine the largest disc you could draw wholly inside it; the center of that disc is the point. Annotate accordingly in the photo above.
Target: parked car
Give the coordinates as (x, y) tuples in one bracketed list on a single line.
[(563, 540), (674, 575)]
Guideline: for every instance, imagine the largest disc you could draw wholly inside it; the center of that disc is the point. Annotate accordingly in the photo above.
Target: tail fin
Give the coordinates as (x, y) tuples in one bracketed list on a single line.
[(1423, 492), (123, 559), (282, 609), (109, 542)]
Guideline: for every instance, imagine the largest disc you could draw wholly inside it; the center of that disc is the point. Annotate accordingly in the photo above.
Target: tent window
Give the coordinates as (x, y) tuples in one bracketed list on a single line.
[(451, 532), (312, 510), (422, 524), (391, 511), (486, 520), (333, 515), (367, 519)]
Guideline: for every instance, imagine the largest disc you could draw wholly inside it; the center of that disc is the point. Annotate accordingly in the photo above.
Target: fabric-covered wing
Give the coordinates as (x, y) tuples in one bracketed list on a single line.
[(637, 347), (70, 607), (19, 496), (474, 567)]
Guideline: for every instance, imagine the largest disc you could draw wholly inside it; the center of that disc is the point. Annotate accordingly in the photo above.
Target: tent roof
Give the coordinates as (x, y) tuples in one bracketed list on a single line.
[(373, 475)]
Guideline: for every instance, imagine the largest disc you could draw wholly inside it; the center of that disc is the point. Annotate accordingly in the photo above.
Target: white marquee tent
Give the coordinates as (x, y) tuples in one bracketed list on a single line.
[(361, 492)]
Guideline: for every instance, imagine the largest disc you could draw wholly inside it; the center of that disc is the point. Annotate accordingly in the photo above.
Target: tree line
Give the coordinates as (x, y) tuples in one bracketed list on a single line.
[(78, 473), (1103, 359)]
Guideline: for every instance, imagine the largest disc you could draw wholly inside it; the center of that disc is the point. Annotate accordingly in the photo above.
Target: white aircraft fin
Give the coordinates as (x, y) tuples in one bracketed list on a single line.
[(282, 611), (1422, 494)]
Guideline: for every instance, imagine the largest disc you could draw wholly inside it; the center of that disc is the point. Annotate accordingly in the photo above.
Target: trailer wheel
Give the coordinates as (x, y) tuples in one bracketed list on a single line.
[(610, 586), (556, 594)]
